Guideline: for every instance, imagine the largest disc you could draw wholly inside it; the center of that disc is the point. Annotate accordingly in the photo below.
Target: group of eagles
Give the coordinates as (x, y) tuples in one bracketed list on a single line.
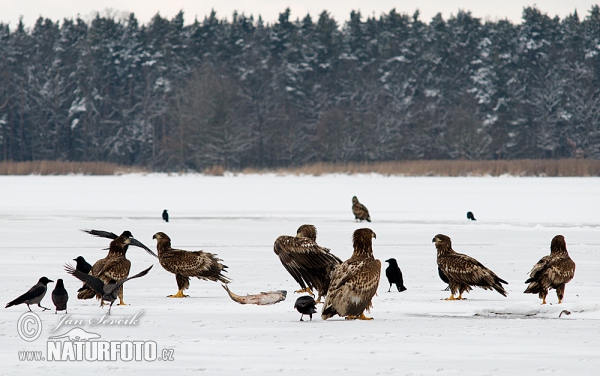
[(346, 286)]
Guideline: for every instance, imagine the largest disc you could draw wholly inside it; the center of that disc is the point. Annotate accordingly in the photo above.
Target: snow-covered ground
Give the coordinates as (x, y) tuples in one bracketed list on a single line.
[(239, 217)]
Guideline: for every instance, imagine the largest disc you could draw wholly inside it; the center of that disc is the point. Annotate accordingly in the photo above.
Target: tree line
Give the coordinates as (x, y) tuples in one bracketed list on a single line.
[(244, 93)]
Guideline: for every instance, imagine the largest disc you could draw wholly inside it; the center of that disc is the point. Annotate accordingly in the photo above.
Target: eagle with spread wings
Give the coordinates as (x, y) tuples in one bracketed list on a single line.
[(355, 281), (115, 266), (553, 271), (308, 263), (186, 264), (361, 213), (463, 271)]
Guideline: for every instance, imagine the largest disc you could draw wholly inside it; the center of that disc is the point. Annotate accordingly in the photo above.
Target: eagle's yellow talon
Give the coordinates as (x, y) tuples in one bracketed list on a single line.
[(306, 289), (179, 294)]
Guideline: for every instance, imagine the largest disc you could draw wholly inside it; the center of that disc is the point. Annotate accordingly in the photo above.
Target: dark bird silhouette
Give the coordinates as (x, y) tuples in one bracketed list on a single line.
[(307, 262), (464, 271), (471, 216), (82, 265), (444, 278), (108, 291), (115, 266), (165, 215), (355, 281), (186, 264), (394, 275), (553, 271), (125, 234), (360, 211), (34, 295), (306, 305), (60, 297)]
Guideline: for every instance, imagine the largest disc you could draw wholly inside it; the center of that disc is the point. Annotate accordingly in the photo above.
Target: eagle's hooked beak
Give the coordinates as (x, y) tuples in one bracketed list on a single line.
[(434, 239)]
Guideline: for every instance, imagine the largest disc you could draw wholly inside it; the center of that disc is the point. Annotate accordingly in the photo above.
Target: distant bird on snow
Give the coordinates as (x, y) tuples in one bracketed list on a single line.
[(471, 216), (165, 215), (34, 295), (361, 213), (394, 275), (60, 297), (306, 305)]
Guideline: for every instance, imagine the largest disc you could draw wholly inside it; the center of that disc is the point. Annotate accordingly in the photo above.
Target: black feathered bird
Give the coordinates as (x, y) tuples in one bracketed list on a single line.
[(471, 216), (109, 291), (394, 275), (60, 297), (306, 305), (34, 295), (165, 215), (82, 265)]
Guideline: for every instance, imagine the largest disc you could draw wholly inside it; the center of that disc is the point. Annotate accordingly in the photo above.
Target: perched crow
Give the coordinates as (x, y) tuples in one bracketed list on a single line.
[(361, 213), (306, 305), (34, 295), (110, 291), (394, 275), (165, 215), (82, 265), (471, 216), (60, 296)]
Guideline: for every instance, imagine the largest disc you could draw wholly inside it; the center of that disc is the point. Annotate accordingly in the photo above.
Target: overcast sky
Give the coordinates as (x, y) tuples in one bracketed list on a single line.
[(30, 10)]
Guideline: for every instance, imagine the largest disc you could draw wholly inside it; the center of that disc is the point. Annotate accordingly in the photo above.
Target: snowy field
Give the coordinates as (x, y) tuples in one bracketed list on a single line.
[(239, 217)]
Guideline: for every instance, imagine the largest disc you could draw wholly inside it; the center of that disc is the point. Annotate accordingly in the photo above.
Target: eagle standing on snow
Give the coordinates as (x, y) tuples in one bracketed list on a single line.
[(355, 281), (186, 264), (310, 264), (360, 211), (463, 271), (552, 272), (115, 266)]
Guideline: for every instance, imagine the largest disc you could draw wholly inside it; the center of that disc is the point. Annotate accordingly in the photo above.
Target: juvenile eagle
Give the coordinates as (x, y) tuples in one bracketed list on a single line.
[(360, 211), (186, 264), (355, 281), (115, 266), (309, 264), (553, 271), (464, 271)]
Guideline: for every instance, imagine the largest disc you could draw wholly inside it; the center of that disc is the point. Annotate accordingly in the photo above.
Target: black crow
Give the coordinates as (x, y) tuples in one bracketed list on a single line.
[(34, 295), (60, 296), (471, 216), (82, 265), (444, 278), (394, 275), (306, 305), (110, 291), (165, 215)]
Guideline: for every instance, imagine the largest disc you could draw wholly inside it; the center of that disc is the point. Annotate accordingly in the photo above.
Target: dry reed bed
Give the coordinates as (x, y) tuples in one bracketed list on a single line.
[(525, 167)]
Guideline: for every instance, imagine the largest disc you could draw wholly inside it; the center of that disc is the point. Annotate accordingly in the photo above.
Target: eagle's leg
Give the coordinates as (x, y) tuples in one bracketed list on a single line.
[(121, 302), (460, 297), (179, 294), (543, 295), (306, 289), (560, 293), (318, 301), (451, 297), (359, 317)]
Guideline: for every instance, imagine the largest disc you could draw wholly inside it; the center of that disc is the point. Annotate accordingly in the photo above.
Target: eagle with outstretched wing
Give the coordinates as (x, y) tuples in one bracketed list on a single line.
[(464, 272), (553, 271), (355, 281), (361, 213), (186, 264), (308, 263), (115, 266)]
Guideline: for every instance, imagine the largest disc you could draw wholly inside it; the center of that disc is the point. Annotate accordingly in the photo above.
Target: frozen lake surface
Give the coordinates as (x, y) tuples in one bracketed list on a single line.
[(239, 217)]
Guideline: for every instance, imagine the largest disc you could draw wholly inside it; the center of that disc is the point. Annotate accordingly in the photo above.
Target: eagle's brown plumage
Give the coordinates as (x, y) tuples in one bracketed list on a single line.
[(464, 271), (309, 264), (186, 264), (113, 267), (355, 281), (360, 211), (553, 271)]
